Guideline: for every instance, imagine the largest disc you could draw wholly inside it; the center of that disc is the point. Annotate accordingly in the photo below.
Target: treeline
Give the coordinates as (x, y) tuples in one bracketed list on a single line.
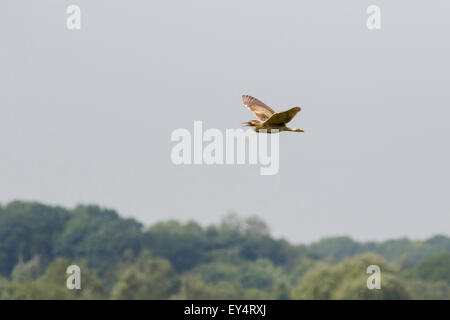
[(235, 259)]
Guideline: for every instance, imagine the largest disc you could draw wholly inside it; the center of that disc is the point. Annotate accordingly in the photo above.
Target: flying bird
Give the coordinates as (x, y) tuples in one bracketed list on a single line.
[(268, 119)]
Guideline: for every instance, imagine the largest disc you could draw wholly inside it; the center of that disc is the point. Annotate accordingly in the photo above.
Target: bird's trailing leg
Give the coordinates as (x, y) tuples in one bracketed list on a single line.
[(295, 130)]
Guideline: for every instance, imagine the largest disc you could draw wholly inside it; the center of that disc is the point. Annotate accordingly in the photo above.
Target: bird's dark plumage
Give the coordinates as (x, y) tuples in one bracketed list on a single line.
[(268, 119)]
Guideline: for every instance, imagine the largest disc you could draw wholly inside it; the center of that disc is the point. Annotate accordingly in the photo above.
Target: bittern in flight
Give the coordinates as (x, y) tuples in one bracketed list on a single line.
[(268, 119)]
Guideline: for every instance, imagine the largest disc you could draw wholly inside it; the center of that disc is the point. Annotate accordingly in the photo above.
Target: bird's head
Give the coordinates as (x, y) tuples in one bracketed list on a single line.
[(251, 123)]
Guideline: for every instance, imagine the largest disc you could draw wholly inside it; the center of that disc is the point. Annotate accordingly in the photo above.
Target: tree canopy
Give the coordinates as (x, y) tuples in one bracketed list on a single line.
[(237, 258)]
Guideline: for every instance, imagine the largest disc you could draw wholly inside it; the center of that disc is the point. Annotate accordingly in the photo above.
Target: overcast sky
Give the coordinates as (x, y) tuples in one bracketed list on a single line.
[(86, 115)]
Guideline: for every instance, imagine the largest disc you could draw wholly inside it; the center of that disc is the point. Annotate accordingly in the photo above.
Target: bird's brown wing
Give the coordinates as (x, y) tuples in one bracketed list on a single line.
[(284, 117), (260, 109)]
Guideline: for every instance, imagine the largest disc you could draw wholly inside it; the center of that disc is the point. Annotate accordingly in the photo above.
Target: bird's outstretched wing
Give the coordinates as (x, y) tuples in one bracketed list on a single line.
[(260, 109), (283, 117)]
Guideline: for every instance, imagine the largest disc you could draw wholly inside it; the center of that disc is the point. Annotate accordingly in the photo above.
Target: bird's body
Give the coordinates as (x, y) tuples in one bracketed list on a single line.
[(269, 120)]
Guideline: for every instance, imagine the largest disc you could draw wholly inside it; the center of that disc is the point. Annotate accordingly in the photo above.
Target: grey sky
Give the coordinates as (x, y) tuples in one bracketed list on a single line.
[(86, 116)]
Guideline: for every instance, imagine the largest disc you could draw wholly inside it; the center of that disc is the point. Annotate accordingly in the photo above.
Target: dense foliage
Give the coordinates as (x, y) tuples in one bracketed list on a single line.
[(236, 259)]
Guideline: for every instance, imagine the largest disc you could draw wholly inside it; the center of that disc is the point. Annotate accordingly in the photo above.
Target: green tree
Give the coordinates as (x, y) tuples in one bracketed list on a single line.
[(348, 280), (216, 271), (28, 271), (12, 290), (184, 245), (434, 268), (147, 278), (194, 288), (99, 237), (28, 229), (52, 284), (426, 290), (337, 248)]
